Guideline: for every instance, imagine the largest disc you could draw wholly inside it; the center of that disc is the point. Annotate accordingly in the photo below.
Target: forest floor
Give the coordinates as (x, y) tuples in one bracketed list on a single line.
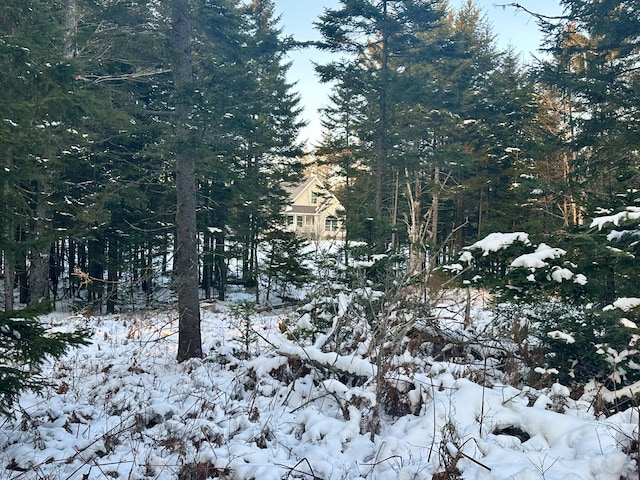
[(261, 406)]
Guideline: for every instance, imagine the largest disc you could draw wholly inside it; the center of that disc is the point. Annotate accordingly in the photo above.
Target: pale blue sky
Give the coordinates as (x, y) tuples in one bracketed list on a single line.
[(513, 29)]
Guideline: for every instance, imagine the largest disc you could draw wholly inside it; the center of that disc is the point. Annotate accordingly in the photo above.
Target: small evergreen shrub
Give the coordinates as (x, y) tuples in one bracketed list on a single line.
[(25, 345)]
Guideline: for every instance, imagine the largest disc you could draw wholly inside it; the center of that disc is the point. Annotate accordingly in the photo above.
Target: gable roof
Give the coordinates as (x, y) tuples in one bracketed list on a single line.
[(296, 190)]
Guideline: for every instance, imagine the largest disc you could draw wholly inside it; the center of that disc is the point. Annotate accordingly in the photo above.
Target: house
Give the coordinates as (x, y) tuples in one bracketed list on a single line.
[(313, 211)]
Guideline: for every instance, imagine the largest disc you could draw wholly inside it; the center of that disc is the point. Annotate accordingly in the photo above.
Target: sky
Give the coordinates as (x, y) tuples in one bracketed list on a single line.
[(513, 28)]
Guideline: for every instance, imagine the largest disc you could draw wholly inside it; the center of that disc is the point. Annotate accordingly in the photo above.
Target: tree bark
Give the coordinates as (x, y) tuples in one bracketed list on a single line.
[(381, 144), (186, 274), (417, 224), (9, 278), (220, 266), (39, 258)]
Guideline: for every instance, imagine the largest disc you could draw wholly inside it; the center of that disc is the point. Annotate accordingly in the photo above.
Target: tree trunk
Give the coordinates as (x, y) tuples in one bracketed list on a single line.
[(9, 278), (394, 210), (95, 270), (435, 206), (186, 274), (381, 144), (221, 266), (38, 276), (207, 262), (22, 275), (147, 282), (39, 259), (417, 225), (112, 273)]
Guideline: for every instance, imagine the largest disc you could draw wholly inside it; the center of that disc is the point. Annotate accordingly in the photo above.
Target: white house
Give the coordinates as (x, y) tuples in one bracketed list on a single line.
[(313, 211)]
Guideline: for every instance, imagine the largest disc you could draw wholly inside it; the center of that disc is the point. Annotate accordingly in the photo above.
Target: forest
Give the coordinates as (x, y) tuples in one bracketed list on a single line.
[(476, 318), (436, 137), (150, 143)]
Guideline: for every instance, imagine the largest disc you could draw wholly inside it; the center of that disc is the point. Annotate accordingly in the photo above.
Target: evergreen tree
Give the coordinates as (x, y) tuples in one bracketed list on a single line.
[(377, 38), (595, 54), (25, 345), (40, 111), (186, 264), (269, 155)]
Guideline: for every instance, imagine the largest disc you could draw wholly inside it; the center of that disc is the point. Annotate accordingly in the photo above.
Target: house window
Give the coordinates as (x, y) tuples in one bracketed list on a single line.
[(314, 198), (290, 220), (309, 220), (299, 221), (331, 224)]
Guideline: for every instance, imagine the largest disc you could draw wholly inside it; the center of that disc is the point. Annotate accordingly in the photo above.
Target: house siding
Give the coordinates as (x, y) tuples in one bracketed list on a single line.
[(314, 212)]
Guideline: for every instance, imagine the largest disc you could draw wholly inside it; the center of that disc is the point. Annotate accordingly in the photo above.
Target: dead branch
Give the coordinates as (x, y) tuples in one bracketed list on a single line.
[(537, 15), (126, 76)]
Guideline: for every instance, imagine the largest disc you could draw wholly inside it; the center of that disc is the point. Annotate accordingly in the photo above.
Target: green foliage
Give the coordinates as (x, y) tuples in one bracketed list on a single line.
[(578, 304), (578, 343), (25, 345), (513, 268), (287, 266), (243, 312), (595, 65)]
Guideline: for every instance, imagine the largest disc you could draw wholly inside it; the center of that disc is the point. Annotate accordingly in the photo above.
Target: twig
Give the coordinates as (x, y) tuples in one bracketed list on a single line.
[(539, 16), (126, 76)]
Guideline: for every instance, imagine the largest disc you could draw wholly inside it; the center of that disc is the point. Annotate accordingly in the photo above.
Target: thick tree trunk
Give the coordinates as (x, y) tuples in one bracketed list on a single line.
[(186, 271), (39, 260), (38, 276)]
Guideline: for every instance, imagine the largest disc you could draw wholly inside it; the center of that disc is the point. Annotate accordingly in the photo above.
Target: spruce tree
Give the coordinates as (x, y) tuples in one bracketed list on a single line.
[(594, 51), (376, 38), (25, 345), (270, 155)]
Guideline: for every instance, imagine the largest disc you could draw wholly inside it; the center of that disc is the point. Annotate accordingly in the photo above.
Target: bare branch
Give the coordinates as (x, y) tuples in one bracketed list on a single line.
[(539, 16), (127, 76)]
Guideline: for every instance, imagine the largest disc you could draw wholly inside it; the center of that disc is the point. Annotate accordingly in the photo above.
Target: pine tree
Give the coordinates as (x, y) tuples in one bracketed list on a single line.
[(595, 54), (39, 110), (186, 264), (376, 37), (25, 345), (269, 157)]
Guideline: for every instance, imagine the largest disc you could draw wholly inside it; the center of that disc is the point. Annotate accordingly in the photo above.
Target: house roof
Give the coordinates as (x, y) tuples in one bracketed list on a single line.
[(295, 190), (302, 209)]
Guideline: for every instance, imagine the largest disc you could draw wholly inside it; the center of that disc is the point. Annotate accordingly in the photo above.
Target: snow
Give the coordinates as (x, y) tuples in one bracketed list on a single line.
[(631, 213), (537, 259), (497, 241), (123, 408), (625, 304), (625, 322), (558, 335)]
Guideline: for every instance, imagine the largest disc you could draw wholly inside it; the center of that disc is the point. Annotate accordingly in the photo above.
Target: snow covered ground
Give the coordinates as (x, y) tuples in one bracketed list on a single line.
[(259, 407)]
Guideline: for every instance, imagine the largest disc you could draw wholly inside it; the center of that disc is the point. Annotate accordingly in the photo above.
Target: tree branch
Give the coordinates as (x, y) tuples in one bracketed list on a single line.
[(127, 76), (539, 16)]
